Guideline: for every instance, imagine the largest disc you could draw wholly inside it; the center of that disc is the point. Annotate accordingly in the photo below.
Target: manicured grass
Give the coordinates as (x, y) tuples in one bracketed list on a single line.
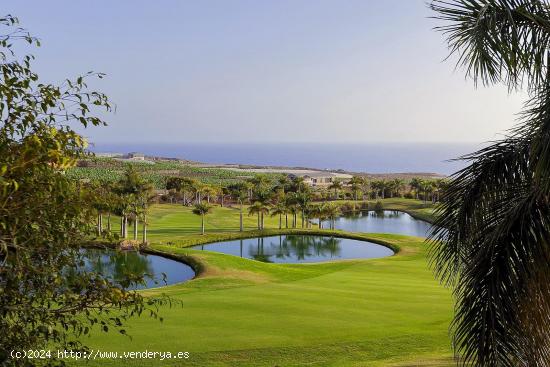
[(174, 223), (416, 208), (239, 312)]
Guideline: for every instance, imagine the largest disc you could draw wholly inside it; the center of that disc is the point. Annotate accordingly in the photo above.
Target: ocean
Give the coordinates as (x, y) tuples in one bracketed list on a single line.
[(371, 158)]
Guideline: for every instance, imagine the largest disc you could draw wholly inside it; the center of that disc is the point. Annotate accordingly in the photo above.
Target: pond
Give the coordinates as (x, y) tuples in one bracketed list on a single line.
[(384, 221), (299, 249), (119, 264)]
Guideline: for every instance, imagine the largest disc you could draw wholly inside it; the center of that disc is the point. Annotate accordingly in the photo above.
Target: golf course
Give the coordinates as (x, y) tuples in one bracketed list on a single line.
[(239, 312)]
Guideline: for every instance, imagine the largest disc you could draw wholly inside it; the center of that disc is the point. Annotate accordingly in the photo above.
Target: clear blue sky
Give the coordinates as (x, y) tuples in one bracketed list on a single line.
[(279, 70)]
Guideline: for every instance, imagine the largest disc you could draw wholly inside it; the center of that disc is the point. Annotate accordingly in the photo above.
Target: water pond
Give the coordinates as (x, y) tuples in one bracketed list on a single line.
[(384, 221), (298, 249), (117, 265)]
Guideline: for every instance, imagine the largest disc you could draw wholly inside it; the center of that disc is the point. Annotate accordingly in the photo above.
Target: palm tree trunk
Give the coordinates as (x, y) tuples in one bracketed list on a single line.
[(259, 221), (280, 221), (262, 221), (125, 227), (202, 224), (109, 222), (144, 230), (122, 226), (99, 224), (320, 223), (286, 220), (135, 229), (302, 219), (241, 218)]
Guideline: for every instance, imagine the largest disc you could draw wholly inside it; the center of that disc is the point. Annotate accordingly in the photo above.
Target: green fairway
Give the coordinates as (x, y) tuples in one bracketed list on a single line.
[(239, 312), (176, 224)]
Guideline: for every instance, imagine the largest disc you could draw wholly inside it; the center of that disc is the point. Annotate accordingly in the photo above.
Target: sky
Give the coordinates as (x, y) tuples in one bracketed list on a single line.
[(356, 71)]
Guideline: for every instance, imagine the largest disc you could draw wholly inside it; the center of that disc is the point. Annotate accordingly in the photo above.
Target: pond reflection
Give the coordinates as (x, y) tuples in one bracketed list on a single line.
[(299, 249), (119, 265), (383, 221)]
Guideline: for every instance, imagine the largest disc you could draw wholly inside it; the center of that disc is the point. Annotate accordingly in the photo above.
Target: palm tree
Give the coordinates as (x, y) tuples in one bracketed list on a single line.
[(279, 209), (240, 192), (356, 183), (396, 186), (427, 187), (365, 185), (223, 192), (209, 191), (260, 209), (292, 207), (416, 184), (336, 185), (198, 188), (188, 186), (100, 199), (174, 186), (439, 185), (130, 188), (379, 187), (262, 196), (202, 210), (258, 183), (308, 211), (491, 239), (303, 198), (145, 198), (383, 185), (283, 183), (289, 204), (331, 211), (320, 212), (298, 184)]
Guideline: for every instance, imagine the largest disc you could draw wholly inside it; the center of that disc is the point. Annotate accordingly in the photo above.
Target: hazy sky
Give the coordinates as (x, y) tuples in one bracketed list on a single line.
[(279, 70)]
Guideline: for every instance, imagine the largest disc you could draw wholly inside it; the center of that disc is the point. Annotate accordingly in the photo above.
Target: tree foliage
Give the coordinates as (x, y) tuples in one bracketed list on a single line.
[(493, 234), (44, 217)]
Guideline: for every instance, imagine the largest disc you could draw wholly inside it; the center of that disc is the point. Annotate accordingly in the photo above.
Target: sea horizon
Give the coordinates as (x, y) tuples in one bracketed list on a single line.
[(377, 158)]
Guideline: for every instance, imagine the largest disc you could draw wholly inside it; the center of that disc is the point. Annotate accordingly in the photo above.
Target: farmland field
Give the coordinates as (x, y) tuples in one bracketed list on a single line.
[(111, 170)]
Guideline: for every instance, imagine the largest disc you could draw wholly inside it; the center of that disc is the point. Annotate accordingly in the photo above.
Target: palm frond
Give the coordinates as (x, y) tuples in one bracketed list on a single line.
[(498, 40), (490, 242)]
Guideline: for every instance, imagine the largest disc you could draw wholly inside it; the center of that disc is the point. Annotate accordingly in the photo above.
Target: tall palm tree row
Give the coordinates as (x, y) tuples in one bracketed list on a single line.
[(239, 191), (336, 186), (134, 195), (260, 209), (283, 196), (491, 241), (279, 209)]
